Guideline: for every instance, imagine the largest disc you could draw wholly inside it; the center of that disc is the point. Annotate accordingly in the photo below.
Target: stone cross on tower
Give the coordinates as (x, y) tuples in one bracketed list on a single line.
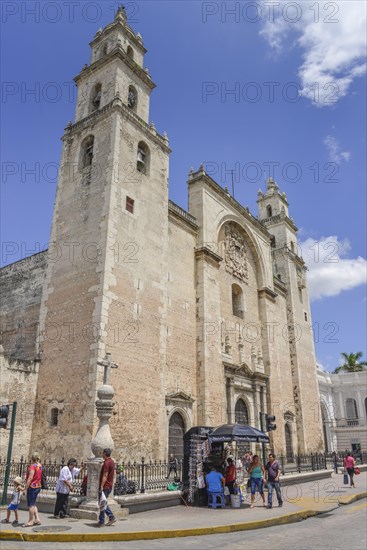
[(108, 365)]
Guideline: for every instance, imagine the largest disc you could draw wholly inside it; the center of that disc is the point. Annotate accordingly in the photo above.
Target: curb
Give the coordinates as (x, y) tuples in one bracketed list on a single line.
[(352, 498), (174, 533)]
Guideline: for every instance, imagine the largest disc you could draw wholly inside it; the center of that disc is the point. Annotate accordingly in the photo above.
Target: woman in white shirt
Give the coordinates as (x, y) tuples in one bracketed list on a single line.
[(63, 487)]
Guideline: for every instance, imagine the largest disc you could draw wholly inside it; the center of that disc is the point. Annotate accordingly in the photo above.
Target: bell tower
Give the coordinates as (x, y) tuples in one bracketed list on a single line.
[(290, 272), (104, 289)]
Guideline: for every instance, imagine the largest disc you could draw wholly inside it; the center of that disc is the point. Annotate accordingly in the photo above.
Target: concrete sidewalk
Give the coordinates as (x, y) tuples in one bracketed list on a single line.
[(300, 501)]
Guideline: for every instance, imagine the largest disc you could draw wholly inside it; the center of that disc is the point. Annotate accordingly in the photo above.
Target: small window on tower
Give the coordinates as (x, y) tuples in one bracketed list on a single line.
[(142, 158), (237, 301), (130, 52), (54, 417), (87, 152), (96, 97), (305, 315), (132, 98), (104, 49), (269, 211), (130, 205)]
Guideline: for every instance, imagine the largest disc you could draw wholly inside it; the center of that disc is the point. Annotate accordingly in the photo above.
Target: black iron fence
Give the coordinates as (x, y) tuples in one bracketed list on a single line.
[(145, 476), (153, 475), (293, 463)]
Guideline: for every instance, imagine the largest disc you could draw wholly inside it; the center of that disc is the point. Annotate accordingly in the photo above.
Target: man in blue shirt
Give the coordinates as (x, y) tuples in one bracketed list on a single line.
[(214, 481)]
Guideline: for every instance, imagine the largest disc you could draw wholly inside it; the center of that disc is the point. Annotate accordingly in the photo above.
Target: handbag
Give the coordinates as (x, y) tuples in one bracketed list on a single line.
[(345, 479), (357, 471)]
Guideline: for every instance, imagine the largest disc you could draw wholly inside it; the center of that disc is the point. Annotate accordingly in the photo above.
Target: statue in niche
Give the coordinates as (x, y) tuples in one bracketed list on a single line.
[(235, 252)]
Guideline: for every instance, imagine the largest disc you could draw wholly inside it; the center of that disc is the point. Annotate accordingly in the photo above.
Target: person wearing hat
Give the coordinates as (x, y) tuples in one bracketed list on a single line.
[(15, 500)]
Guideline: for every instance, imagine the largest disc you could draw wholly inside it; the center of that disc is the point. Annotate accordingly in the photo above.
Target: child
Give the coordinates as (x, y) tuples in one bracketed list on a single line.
[(15, 500)]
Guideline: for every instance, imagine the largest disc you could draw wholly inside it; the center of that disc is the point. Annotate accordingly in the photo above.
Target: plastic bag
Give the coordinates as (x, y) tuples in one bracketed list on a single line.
[(102, 503)]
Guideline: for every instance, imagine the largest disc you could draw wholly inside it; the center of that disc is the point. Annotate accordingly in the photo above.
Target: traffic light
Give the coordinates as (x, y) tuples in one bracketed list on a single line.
[(270, 426), (4, 414)]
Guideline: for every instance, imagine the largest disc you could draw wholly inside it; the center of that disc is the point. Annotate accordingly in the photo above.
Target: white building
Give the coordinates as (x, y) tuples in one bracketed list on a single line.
[(343, 400)]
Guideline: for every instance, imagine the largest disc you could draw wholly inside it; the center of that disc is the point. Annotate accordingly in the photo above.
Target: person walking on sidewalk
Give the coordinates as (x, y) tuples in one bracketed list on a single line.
[(349, 464), (256, 472), (15, 501), (106, 479), (33, 485), (273, 472)]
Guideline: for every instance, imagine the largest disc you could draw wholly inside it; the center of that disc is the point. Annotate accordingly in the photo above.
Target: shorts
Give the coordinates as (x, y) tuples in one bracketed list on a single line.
[(13, 506), (257, 482), (32, 495)]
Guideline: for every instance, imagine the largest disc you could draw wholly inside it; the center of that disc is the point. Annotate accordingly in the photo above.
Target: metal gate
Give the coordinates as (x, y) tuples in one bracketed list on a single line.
[(175, 436)]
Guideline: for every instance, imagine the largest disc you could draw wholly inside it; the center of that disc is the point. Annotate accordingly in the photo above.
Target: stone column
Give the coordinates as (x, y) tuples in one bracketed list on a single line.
[(257, 405), (230, 401), (264, 403), (89, 509)]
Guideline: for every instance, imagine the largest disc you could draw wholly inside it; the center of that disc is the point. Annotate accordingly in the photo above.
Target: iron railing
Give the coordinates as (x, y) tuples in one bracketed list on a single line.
[(293, 463), (149, 475), (154, 475)]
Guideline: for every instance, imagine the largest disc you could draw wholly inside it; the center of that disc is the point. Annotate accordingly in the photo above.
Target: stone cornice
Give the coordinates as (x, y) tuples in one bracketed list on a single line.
[(118, 23), (179, 397), (280, 218), (117, 104), (201, 175), (117, 53), (206, 254), (244, 372), (184, 218), (268, 293), (280, 286)]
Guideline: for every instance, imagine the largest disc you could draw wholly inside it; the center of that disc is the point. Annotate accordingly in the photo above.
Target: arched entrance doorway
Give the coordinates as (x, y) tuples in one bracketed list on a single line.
[(288, 443), (241, 416), (175, 435)]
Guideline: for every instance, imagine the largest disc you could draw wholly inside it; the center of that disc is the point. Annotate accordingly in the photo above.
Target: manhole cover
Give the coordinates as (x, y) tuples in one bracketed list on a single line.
[(51, 528)]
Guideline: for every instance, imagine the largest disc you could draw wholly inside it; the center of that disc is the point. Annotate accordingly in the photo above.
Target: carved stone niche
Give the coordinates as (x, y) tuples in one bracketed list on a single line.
[(235, 255)]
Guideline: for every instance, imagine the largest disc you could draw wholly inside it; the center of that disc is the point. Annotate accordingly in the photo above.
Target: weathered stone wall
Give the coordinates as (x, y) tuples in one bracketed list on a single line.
[(18, 383), (135, 292), (20, 296), (180, 371), (70, 311)]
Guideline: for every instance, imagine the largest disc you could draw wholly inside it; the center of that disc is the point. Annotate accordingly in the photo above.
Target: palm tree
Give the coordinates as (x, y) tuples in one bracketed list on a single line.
[(351, 363)]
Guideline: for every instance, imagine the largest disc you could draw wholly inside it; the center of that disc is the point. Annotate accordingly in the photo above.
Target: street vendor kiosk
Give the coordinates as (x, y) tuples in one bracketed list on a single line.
[(204, 447)]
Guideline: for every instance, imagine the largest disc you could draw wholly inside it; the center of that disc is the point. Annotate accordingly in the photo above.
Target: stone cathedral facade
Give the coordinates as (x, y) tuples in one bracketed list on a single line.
[(205, 312)]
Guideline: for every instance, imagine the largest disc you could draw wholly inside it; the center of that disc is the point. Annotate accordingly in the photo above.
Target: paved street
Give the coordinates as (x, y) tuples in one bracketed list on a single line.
[(342, 528)]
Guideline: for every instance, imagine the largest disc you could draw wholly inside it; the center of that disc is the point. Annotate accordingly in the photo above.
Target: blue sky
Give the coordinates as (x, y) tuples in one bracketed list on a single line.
[(198, 51)]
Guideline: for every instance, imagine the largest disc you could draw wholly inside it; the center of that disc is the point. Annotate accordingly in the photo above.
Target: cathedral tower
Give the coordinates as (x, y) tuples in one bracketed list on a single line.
[(104, 288), (290, 272)]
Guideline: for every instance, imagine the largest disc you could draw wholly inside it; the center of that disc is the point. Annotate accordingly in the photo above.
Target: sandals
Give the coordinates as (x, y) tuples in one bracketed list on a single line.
[(5, 521), (27, 524)]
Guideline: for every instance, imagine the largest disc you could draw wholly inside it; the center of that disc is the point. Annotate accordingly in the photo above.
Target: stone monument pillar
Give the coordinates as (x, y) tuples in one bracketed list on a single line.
[(102, 440)]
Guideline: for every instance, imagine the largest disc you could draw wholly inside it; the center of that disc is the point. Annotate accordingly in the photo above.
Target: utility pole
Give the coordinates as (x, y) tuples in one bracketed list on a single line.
[(262, 444), (8, 459)]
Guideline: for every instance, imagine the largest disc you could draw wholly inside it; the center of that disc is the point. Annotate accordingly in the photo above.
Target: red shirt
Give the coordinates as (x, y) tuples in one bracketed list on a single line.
[(37, 476), (230, 473), (349, 462), (109, 469)]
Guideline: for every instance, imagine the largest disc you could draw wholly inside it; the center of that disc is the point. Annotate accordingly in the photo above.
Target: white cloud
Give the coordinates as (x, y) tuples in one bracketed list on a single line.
[(330, 270), (333, 42), (333, 147)]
